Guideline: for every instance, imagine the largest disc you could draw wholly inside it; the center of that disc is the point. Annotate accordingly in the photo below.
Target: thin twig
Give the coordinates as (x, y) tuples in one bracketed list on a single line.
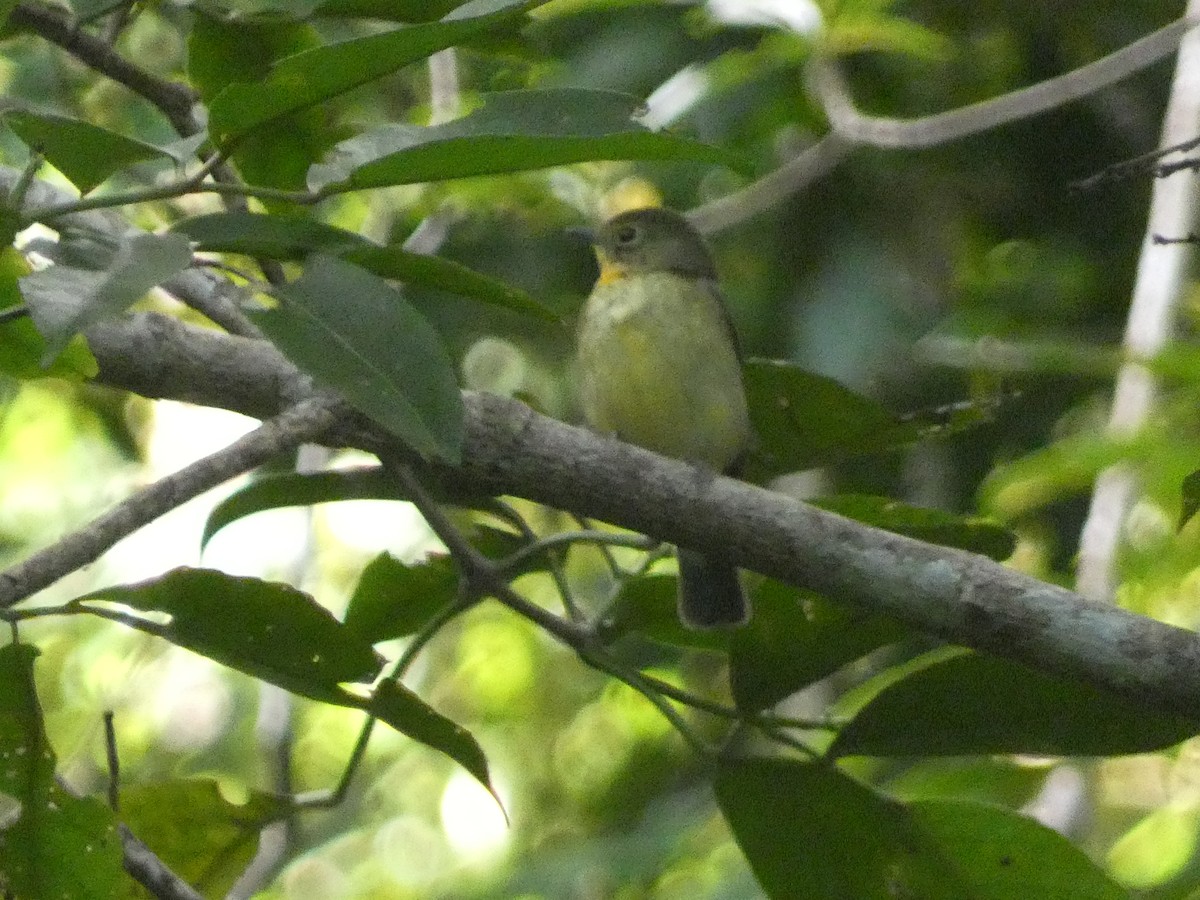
[(610, 558), (329, 799), (1137, 165), (557, 572), (151, 872), (302, 423), (13, 313), (1158, 292), (173, 99), (20, 189), (114, 762), (941, 128), (600, 538), (649, 690), (852, 128), (174, 190), (483, 577)]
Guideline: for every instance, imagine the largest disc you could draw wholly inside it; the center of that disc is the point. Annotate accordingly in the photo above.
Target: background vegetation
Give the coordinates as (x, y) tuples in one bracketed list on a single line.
[(400, 178)]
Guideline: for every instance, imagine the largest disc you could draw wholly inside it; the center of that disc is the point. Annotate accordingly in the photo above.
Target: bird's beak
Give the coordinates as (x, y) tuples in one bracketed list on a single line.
[(610, 269), (583, 235)]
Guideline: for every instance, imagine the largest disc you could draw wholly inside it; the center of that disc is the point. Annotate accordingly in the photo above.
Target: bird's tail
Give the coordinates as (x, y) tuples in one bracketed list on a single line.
[(710, 593)]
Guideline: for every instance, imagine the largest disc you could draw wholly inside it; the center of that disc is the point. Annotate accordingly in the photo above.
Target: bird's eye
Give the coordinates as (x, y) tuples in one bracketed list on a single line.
[(627, 234)]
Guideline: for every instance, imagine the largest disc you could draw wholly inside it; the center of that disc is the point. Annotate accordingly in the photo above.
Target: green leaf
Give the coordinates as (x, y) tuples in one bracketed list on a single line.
[(999, 855), (22, 347), (265, 629), (856, 34), (354, 332), (271, 10), (445, 275), (647, 606), (803, 420), (295, 237), (275, 491), (973, 704), (237, 50), (86, 154), (407, 713), (1049, 474), (240, 51), (513, 131), (394, 600), (60, 845), (1190, 495), (313, 76), (87, 10), (276, 633), (210, 846), (290, 237), (794, 639), (65, 300), (1157, 849), (809, 832), (388, 10), (973, 533), (1005, 781)]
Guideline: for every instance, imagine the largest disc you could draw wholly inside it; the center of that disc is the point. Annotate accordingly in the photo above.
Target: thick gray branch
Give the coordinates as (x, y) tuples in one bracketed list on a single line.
[(510, 449)]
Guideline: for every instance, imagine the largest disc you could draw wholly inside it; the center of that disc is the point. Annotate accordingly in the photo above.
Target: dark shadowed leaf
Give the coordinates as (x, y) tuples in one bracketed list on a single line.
[(314, 76), (512, 132), (389, 10), (1191, 497), (86, 154), (973, 533), (241, 51), (269, 630), (276, 491), (364, 483), (294, 237), (65, 300), (58, 845), (971, 704), (409, 714), (22, 347), (291, 237), (444, 275), (354, 332), (803, 420), (809, 831), (394, 600), (209, 847), (647, 606), (793, 639), (1000, 855), (87, 10)]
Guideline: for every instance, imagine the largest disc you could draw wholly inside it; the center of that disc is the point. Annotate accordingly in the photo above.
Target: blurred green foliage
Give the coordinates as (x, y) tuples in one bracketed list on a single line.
[(871, 280)]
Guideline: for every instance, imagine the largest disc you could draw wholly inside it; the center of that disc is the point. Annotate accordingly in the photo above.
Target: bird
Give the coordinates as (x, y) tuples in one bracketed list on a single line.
[(659, 366)]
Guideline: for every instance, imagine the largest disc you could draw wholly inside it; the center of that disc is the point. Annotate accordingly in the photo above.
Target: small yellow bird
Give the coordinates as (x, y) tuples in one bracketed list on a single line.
[(659, 367)]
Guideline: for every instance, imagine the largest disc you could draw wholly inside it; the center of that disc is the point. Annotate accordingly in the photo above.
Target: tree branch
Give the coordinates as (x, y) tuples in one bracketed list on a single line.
[(175, 100), (851, 128), (510, 449), (292, 427), (150, 871), (1158, 290)]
